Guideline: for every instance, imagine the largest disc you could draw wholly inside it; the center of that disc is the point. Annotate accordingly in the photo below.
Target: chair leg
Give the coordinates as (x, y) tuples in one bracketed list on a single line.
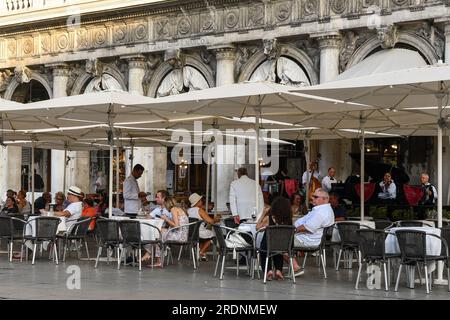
[(119, 257), (304, 260), (87, 248), (339, 260), (65, 250), (322, 257), (11, 245), (140, 258), (420, 274), (237, 265), (265, 269), (398, 277), (193, 257), (426, 279), (179, 253), (358, 276), (217, 265), (223, 267), (34, 253), (99, 252), (55, 251), (291, 264), (386, 282), (448, 277), (21, 252)]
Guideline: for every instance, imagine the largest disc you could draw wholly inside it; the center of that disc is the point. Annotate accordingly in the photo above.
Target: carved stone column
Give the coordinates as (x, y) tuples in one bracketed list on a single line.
[(329, 44), (447, 41), (10, 169), (225, 57), (136, 73)]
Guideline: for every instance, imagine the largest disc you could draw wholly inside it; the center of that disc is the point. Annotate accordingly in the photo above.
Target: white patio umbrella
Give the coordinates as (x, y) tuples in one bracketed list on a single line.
[(424, 91)]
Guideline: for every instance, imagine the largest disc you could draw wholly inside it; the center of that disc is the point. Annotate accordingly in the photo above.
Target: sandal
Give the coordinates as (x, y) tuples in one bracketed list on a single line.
[(269, 275), (156, 265), (279, 275)]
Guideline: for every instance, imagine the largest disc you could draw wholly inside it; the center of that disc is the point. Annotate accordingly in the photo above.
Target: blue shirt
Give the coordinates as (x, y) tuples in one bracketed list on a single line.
[(158, 212), (320, 217)]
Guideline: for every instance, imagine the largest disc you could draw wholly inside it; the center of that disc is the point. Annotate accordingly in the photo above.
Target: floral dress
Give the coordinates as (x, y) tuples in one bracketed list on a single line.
[(180, 234)]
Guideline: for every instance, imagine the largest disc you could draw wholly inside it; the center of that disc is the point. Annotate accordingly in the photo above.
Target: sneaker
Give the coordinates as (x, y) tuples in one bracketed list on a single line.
[(203, 258), (300, 272)]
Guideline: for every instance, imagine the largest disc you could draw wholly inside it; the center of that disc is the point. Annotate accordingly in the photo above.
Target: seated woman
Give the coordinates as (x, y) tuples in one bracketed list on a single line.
[(89, 211), (279, 214), (179, 218), (10, 207), (298, 205), (22, 203), (60, 198), (198, 211)]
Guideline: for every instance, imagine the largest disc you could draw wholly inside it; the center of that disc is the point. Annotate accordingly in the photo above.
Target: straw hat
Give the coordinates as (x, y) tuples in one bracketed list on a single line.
[(194, 199), (74, 191)]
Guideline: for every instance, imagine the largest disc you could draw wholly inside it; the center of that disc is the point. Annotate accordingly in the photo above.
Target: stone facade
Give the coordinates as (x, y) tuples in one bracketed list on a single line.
[(190, 46)]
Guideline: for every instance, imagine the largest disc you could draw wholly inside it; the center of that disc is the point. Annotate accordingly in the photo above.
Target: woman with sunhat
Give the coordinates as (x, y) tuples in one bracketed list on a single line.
[(197, 211)]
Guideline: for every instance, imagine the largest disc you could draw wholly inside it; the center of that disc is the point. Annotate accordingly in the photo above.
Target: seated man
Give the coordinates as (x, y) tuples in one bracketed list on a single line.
[(309, 229), (340, 214), (74, 210), (146, 205), (42, 203), (388, 190)]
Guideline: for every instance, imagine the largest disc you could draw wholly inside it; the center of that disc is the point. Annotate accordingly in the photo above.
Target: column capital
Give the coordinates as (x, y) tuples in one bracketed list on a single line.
[(59, 69), (135, 61), (445, 21), (327, 39), (224, 52)]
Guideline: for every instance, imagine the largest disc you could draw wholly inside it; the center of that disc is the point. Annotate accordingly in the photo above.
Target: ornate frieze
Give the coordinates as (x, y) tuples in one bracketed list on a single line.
[(388, 36)]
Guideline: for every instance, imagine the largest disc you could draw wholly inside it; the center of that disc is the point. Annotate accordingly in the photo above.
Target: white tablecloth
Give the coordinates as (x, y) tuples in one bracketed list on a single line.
[(147, 233), (335, 236), (433, 243)]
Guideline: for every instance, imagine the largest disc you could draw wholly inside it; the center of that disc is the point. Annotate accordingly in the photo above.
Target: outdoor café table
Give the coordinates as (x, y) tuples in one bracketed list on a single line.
[(348, 255), (31, 226), (147, 233), (433, 248)]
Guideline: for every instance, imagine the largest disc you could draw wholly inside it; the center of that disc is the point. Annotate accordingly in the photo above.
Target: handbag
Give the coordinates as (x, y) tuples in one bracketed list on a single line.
[(235, 240)]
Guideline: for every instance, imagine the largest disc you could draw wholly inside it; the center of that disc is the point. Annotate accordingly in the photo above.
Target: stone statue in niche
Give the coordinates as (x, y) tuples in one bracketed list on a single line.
[(5, 79), (388, 36), (23, 74), (181, 78)]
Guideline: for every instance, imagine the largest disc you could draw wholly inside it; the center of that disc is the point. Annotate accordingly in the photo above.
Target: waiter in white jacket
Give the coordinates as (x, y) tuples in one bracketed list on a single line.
[(242, 198), (132, 203)]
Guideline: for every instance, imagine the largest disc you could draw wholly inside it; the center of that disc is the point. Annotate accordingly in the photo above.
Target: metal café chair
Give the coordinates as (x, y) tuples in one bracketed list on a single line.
[(411, 223), (74, 237), (224, 249), (372, 250), (383, 224), (45, 229), (8, 232), (413, 251), (108, 237), (349, 238), (131, 237)]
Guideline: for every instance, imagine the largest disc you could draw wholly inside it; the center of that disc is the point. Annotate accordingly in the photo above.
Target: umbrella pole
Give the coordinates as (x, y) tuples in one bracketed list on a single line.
[(216, 171), (117, 175), (308, 176), (208, 178), (111, 172), (32, 177), (132, 155), (363, 167), (65, 168), (440, 264), (257, 119)]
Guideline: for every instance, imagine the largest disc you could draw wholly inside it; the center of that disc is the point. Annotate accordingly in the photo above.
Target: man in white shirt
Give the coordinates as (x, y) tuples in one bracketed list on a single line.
[(132, 203), (73, 211), (242, 198), (311, 172), (327, 182), (309, 229), (160, 210)]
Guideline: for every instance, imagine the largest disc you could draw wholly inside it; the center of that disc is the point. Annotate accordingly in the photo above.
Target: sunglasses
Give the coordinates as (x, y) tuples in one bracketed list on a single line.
[(317, 197)]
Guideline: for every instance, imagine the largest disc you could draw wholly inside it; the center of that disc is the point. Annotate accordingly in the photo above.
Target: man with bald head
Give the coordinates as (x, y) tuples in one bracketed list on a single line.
[(429, 197)]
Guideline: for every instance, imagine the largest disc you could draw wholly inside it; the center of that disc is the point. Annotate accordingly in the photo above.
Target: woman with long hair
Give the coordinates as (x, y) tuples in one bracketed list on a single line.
[(280, 213)]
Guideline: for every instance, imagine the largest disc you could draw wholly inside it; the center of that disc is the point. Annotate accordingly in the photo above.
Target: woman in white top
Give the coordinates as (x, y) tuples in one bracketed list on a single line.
[(22, 203), (197, 211)]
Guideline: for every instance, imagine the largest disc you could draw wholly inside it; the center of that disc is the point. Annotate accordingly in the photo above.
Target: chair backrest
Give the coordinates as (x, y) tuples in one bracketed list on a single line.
[(412, 244), (6, 227), (279, 238), (220, 236), (347, 232), (326, 235), (410, 223), (382, 224), (371, 243), (108, 230), (445, 234), (46, 227), (81, 228), (229, 222), (194, 230), (131, 231)]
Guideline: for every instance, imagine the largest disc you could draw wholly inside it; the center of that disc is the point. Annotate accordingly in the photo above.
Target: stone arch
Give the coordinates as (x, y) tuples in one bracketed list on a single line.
[(424, 47), (165, 68), (287, 51), (34, 76), (84, 78)]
